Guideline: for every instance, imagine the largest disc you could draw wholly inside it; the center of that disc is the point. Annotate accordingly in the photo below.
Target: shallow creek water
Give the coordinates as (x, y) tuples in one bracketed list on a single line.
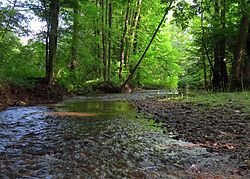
[(97, 137)]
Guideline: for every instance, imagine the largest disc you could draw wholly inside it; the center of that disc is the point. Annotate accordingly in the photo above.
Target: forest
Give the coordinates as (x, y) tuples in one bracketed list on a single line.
[(124, 89), (144, 43)]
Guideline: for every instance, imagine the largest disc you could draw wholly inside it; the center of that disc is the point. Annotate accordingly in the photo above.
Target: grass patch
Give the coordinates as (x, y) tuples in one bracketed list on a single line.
[(236, 100)]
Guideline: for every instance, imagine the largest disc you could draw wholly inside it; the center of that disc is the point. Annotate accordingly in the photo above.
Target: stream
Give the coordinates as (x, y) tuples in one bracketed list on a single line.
[(98, 137)]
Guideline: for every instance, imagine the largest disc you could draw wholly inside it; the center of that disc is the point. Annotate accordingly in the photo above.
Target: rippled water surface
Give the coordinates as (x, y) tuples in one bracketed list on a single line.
[(100, 137)]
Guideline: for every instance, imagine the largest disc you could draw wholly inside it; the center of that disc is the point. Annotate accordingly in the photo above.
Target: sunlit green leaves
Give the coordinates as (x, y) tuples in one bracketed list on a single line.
[(183, 12), (161, 66)]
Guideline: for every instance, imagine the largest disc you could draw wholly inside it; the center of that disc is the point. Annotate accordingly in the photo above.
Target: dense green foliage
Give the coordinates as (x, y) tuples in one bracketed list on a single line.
[(102, 40)]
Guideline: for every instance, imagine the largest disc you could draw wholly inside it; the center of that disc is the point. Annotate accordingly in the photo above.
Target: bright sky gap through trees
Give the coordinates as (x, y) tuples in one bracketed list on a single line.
[(35, 24)]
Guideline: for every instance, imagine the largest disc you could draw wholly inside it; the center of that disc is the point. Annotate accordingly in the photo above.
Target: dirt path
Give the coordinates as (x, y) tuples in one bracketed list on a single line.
[(220, 129)]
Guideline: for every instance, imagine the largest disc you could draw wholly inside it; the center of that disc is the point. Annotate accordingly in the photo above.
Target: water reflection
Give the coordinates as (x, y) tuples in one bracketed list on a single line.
[(96, 106), (114, 143)]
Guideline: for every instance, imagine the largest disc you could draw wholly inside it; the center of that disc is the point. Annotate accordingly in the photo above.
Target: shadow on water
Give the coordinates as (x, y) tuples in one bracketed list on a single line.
[(112, 141)]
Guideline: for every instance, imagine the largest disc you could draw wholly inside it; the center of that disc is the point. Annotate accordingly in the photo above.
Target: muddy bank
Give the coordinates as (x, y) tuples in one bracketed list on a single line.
[(223, 129), (12, 95)]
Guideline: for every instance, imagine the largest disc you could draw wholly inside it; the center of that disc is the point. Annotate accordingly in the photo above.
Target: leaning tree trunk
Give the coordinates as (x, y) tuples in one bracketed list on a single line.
[(236, 81), (144, 53), (54, 15)]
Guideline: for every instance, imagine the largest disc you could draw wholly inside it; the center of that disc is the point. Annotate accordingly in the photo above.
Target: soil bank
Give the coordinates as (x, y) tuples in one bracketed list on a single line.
[(12, 95)]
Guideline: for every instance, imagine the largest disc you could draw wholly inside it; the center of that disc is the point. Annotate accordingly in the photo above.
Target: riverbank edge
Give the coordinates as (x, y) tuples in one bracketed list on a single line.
[(13, 95), (222, 129)]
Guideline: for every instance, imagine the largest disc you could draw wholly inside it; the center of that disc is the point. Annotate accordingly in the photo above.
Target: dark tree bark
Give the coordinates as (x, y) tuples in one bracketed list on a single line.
[(54, 15), (247, 62), (236, 82), (223, 65), (216, 81), (220, 75), (204, 72)]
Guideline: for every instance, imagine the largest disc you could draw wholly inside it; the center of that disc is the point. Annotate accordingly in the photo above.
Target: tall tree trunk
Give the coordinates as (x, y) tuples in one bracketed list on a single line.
[(204, 72), (216, 81), (205, 53), (54, 15), (220, 75), (47, 52), (126, 52), (74, 44), (110, 40), (236, 82), (122, 46), (134, 27), (223, 66), (47, 17), (98, 35), (247, 62), (104, 45), (144, 53)]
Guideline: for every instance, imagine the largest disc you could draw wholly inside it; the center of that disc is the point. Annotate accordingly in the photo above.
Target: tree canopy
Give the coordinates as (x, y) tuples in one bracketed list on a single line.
[(198, 44)]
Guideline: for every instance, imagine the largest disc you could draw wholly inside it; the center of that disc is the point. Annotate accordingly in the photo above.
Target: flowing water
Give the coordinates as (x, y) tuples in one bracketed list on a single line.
[(96, 137)]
